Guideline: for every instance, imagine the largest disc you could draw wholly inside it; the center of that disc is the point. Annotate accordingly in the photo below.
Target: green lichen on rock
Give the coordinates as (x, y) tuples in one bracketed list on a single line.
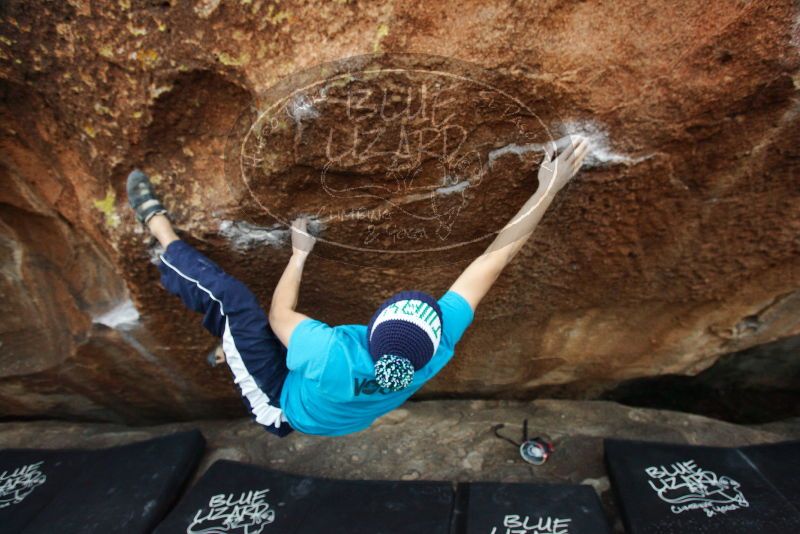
[(106, 51), (107, 206), (230, 61), (383, 31), (276, 16)]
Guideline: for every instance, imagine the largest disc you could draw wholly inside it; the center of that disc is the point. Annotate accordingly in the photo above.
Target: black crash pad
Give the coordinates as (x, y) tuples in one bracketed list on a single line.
[(495, 508), (780, 464), (236, 498), (30, 479), (676, 489), (120, 489)]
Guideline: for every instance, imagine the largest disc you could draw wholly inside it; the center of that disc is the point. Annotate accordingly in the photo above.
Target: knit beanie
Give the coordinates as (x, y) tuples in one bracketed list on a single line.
[(403, 337)]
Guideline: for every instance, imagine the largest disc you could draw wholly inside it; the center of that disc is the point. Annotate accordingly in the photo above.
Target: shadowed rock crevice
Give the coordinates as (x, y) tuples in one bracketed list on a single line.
[(192, 106), (183, 144), (757, 385)]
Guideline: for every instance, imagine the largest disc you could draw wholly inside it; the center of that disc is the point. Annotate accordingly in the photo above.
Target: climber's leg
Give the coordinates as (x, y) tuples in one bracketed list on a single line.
[(162, 230), (231, 311), (254, 354)]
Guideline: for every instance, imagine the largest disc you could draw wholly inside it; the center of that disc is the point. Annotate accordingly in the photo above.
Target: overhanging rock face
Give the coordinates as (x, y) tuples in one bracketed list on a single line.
[(676, 244)]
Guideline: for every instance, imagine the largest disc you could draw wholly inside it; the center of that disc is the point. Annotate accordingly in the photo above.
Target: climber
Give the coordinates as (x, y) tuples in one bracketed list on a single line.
[(337, 380)]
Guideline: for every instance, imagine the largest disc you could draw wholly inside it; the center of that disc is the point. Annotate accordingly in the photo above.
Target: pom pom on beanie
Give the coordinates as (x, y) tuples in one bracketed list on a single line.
[(393, 372)]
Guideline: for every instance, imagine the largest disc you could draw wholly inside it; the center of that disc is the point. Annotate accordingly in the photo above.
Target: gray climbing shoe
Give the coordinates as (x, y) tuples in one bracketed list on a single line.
[(142, 198)]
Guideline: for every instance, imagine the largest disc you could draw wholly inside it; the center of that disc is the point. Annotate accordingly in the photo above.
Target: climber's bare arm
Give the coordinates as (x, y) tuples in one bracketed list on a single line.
[(282, 315), (554, 173)]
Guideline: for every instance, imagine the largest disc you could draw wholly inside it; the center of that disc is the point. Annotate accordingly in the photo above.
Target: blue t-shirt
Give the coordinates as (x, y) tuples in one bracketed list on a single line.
[(331, 390)]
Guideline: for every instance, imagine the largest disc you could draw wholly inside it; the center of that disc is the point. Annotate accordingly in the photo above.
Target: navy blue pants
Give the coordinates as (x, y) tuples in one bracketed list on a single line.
[(254, 354)]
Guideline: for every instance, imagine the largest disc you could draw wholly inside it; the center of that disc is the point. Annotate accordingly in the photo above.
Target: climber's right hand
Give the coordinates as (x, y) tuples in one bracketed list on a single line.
[(562, 160), (302, 240)]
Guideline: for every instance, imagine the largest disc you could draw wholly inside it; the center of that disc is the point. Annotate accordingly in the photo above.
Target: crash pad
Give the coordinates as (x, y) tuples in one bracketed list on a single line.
[(237, 498), (780, 464), (665, 488), (126, 489), (30, 479), (500, 508)]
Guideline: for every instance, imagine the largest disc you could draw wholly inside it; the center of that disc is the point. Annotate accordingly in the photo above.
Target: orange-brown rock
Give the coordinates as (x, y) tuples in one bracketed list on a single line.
[(676, 244)]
